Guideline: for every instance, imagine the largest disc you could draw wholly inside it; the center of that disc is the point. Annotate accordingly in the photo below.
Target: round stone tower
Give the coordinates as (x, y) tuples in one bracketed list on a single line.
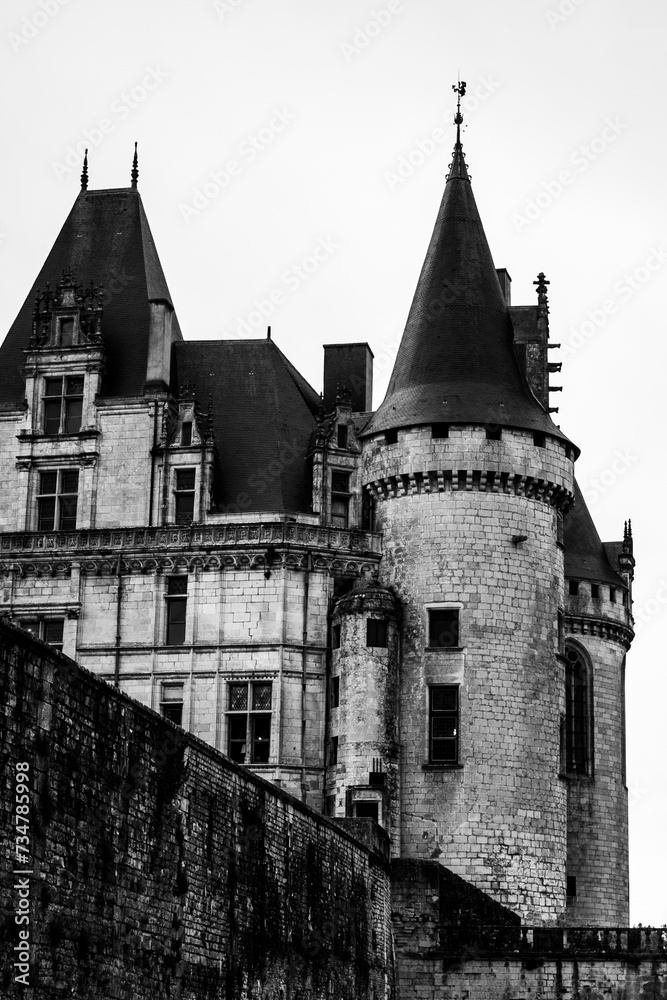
[(597, 635), (362, 771), (471, 479)]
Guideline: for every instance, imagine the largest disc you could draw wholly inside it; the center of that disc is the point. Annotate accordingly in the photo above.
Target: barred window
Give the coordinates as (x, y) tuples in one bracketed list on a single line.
[(57, 500), (249, 722), (444, 724)]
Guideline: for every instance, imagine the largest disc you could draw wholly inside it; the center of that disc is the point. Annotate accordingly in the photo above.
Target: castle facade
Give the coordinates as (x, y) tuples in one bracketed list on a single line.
[(403, 614)]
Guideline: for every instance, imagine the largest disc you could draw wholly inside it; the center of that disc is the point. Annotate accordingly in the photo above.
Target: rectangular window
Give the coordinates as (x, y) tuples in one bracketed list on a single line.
[(573, 587), (376, 632), (342, 435), (186, 433), (443, 628), (595, 591), (334, 692), (439, 430), (66, 331), (185, 496), (444, 724), (249, 722), (391, 437), (171, 703), (335, 637), (340, 499), (47, 629), (57, 500), (571, 886), (539, 439), (612, 595), (494, 432), (177, 596), (63, 404), (366, 810)]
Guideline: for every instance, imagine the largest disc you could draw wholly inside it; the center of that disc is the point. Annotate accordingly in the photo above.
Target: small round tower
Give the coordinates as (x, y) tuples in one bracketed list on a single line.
[(596, 636), (471, 479), (362, 770)]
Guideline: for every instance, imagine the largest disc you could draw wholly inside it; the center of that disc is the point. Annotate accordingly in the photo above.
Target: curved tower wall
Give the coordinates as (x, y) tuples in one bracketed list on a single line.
[(453, 512), (365, 722), (597, 850)]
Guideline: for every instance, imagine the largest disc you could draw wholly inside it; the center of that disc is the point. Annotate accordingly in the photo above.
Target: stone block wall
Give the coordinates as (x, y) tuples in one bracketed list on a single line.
[(158, 868)]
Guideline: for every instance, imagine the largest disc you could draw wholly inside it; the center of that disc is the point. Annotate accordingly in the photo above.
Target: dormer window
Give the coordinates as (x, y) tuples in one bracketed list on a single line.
[(186, 433), (63, 404), (67, 331)]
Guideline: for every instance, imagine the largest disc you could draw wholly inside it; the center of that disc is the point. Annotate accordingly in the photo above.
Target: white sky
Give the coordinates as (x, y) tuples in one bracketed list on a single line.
[(336, 98)]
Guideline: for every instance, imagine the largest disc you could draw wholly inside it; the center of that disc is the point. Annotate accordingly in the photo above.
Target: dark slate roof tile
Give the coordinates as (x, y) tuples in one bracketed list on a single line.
[(106, 238), (585, 555), (263, 418)]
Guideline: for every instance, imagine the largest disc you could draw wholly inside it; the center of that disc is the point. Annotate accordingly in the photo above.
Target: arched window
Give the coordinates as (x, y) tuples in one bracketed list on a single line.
[(578, 748)]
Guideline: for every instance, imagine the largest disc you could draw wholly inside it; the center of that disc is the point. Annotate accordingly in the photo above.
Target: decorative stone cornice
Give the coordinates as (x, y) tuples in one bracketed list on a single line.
[(601, 628), (216, 547), (468, 480)]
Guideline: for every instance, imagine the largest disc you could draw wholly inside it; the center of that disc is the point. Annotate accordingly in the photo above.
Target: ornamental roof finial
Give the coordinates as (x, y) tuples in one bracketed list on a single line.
[(459, 89), (135, 167), (84, 172)]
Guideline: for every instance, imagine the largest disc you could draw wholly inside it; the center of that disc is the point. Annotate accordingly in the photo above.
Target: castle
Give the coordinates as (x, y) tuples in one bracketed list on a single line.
[(404, 615)]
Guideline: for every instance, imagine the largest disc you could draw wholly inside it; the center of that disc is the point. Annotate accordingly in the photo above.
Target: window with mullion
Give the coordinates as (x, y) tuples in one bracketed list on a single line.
[(177, 593), (63, 404), (577, 714), (185, 496), (57, 500), (48, 629), (249, 722), (340, 499)]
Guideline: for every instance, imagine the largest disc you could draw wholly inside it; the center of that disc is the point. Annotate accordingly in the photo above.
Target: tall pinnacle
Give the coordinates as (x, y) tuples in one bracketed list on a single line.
[(135, 167), (456, 362), (84, 172)]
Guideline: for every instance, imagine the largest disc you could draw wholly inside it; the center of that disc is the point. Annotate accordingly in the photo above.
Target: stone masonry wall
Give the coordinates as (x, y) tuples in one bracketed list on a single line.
[(158, 868), (498, 817)]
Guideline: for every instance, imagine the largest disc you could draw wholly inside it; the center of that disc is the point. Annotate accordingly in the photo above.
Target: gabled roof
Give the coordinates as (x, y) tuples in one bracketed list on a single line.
[(105, 239), (585, 555), (264, 413), (456, 362)]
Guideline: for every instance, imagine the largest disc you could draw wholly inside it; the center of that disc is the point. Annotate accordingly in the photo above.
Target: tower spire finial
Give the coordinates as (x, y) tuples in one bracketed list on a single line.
[(459, 89), (135, 167), (84, 172)]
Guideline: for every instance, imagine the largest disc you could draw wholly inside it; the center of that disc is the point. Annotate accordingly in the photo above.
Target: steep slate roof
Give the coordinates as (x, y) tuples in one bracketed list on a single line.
[(106, 238), (585, 555), (456, 361), (263, 417)]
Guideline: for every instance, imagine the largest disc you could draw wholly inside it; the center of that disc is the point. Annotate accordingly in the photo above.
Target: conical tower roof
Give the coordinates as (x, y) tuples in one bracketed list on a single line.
[(105, 239), (585, 555), (456, 362)]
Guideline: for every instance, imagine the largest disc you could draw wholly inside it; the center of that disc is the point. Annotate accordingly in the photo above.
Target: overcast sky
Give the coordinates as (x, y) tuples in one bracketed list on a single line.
[(292, 157)]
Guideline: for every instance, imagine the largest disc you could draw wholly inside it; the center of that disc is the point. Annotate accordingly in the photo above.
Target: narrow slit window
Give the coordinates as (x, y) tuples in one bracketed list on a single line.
[(177, 595)]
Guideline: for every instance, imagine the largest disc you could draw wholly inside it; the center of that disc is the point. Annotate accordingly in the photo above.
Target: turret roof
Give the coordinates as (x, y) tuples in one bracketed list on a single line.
[(105, 239), (585, 555), (456, 362)]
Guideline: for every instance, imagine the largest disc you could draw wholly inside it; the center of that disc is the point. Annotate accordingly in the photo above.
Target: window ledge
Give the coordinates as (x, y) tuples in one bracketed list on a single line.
[(442, 767), (584, 779), (444, 649)]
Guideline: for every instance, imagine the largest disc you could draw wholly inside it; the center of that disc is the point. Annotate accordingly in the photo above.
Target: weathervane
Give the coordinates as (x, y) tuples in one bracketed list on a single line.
[(458, 118)]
